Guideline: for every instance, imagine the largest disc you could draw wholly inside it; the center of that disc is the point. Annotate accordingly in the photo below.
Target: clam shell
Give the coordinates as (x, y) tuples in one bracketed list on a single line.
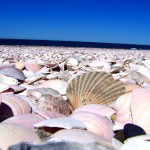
[(49, 114), (20, 65), (97, 109), (78, 135), (56, 124), (4, 87), (58, 85), (32, 66), (94, 87), (133, 108), (11, 134), (8, 80), (15, 104), (13, 72), (27, 120), (96, 123)]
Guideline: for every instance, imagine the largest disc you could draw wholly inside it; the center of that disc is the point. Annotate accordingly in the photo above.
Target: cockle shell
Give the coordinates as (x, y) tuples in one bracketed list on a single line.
[(13, 72), (96, 123), (11, 134), (134, 107), (53, 125), (97, 109), (93, 87)]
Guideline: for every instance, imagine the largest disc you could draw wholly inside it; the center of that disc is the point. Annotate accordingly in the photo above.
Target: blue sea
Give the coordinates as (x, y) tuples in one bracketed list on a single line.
[(24, 42)]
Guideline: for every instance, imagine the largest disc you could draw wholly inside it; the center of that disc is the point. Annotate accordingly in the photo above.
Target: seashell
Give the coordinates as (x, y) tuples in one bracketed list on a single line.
[(28, 74), (94, 87), (32, 66), (48, 99), (58, 85), (137, 143), (131, 87), (27, 120), (12, 105), (20, 65), (48, 114), (133, 108), (78, 135), (11, 134), (97, 109), (116, 143), (72, 62), (4, 87), (17, 88), (8, 80), (53, 125), (96, 123), (13, 72)]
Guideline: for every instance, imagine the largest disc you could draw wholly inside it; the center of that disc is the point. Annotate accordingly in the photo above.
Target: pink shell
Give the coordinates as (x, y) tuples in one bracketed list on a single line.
[(13, 134), (78, 135), (27, 120), (32, 66), (16, 104), (96, 123), (49, 114), (97, 109), (134, 107)]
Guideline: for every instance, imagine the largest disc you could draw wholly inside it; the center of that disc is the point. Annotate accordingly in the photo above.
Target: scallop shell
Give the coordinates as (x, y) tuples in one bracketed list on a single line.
[(96, 123), (11, 134), (13, 72), (94, 87)]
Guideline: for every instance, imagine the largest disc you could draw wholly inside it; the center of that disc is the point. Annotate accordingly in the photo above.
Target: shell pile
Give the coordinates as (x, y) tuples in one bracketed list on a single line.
[(75, 97)]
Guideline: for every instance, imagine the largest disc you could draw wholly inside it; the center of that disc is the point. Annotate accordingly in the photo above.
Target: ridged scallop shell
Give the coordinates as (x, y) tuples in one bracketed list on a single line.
[(94, 87), (11, 134), (13, 72), (96, 123)]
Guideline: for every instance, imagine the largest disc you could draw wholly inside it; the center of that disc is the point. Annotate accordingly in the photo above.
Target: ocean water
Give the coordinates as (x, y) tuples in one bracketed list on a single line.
[(71, 44)]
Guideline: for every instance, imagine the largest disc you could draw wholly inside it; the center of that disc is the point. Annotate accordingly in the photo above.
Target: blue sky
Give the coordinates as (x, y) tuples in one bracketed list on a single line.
[(113, 21)]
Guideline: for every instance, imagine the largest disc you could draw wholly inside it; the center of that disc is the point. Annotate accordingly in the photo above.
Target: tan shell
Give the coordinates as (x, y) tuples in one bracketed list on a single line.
[(11, 134), (94, 87)]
